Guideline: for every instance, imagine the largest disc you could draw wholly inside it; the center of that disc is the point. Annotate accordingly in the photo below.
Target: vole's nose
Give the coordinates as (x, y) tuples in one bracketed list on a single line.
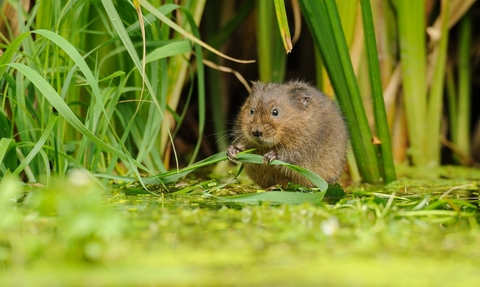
[(257, 133)]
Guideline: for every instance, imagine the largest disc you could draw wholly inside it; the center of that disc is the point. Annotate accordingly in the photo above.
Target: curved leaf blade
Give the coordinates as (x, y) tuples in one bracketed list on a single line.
[(311, 176), (276, 197)]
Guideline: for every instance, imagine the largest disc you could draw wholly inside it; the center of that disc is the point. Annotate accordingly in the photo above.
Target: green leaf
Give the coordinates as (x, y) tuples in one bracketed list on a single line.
[(283, 25), (411, 29), (435, 101), (275, 197), (170, 49), (172, 175), (8, 156), (38, 146), (381, 125), (271, 55), (462, 139), (311, 176)]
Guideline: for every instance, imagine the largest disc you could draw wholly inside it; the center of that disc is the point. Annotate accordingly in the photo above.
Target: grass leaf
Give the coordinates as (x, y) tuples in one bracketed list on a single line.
[(381, 126), (435, 101), (283, 25), (411, 29), (38, 146), (275, 197), (311, 176), (168, 50), (6, 145)]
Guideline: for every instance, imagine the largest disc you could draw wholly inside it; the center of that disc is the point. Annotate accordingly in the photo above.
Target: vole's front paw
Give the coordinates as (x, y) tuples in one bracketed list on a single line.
[(269, 157), (232, 152)]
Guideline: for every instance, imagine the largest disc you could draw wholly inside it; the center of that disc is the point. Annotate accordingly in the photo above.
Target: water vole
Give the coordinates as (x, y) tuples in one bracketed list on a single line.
[(293, 122)]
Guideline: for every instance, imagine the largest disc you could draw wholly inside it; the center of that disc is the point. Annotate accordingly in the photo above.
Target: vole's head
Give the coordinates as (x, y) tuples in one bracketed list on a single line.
[(274, 113)]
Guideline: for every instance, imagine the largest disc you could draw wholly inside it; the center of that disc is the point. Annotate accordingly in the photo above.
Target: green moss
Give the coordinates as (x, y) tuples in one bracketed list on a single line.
[(79, 234)]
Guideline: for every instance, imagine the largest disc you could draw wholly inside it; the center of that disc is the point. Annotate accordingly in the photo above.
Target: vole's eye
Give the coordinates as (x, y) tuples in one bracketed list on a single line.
[(252, 111), (275, 112)]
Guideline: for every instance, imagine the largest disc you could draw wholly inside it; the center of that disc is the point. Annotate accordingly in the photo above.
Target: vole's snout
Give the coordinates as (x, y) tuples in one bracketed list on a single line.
[(256, 133)]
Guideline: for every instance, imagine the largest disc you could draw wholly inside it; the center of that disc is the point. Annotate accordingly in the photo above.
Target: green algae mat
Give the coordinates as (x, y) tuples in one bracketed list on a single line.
[(421, 232)]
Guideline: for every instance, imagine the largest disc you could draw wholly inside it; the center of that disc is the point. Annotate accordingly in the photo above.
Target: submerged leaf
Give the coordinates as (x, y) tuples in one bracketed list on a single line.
[(276, 197)]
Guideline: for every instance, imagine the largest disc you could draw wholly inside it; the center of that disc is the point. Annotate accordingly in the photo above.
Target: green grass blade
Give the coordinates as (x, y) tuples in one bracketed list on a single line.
[(11, 51), (324, 24), (283, 25), (171, 49), (46, 133), (452, 103), (24, 117), (311, 176), (464, 95), (201, 91), (172, 175), (348, 12), (271, 56), (411, 28), (435, 101), (6, 146), (381, 125), (275, 197)]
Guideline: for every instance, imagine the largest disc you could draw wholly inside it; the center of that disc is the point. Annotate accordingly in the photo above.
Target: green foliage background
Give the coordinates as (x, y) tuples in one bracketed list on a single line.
[(120, 87)]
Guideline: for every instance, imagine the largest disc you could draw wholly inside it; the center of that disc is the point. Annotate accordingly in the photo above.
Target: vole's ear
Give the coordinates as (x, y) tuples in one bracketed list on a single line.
[(257, 86), (300, 95)]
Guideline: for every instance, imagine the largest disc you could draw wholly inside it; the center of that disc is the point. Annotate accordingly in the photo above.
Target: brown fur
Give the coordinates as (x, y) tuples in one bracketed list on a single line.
[(308, 131)]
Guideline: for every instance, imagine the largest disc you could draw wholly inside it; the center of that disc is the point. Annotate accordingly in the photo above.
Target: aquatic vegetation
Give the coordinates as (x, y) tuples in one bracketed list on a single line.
[(75, 232)]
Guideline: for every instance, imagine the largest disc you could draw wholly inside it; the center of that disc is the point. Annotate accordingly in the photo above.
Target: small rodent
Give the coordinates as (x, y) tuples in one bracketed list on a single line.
[(295, 123)]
